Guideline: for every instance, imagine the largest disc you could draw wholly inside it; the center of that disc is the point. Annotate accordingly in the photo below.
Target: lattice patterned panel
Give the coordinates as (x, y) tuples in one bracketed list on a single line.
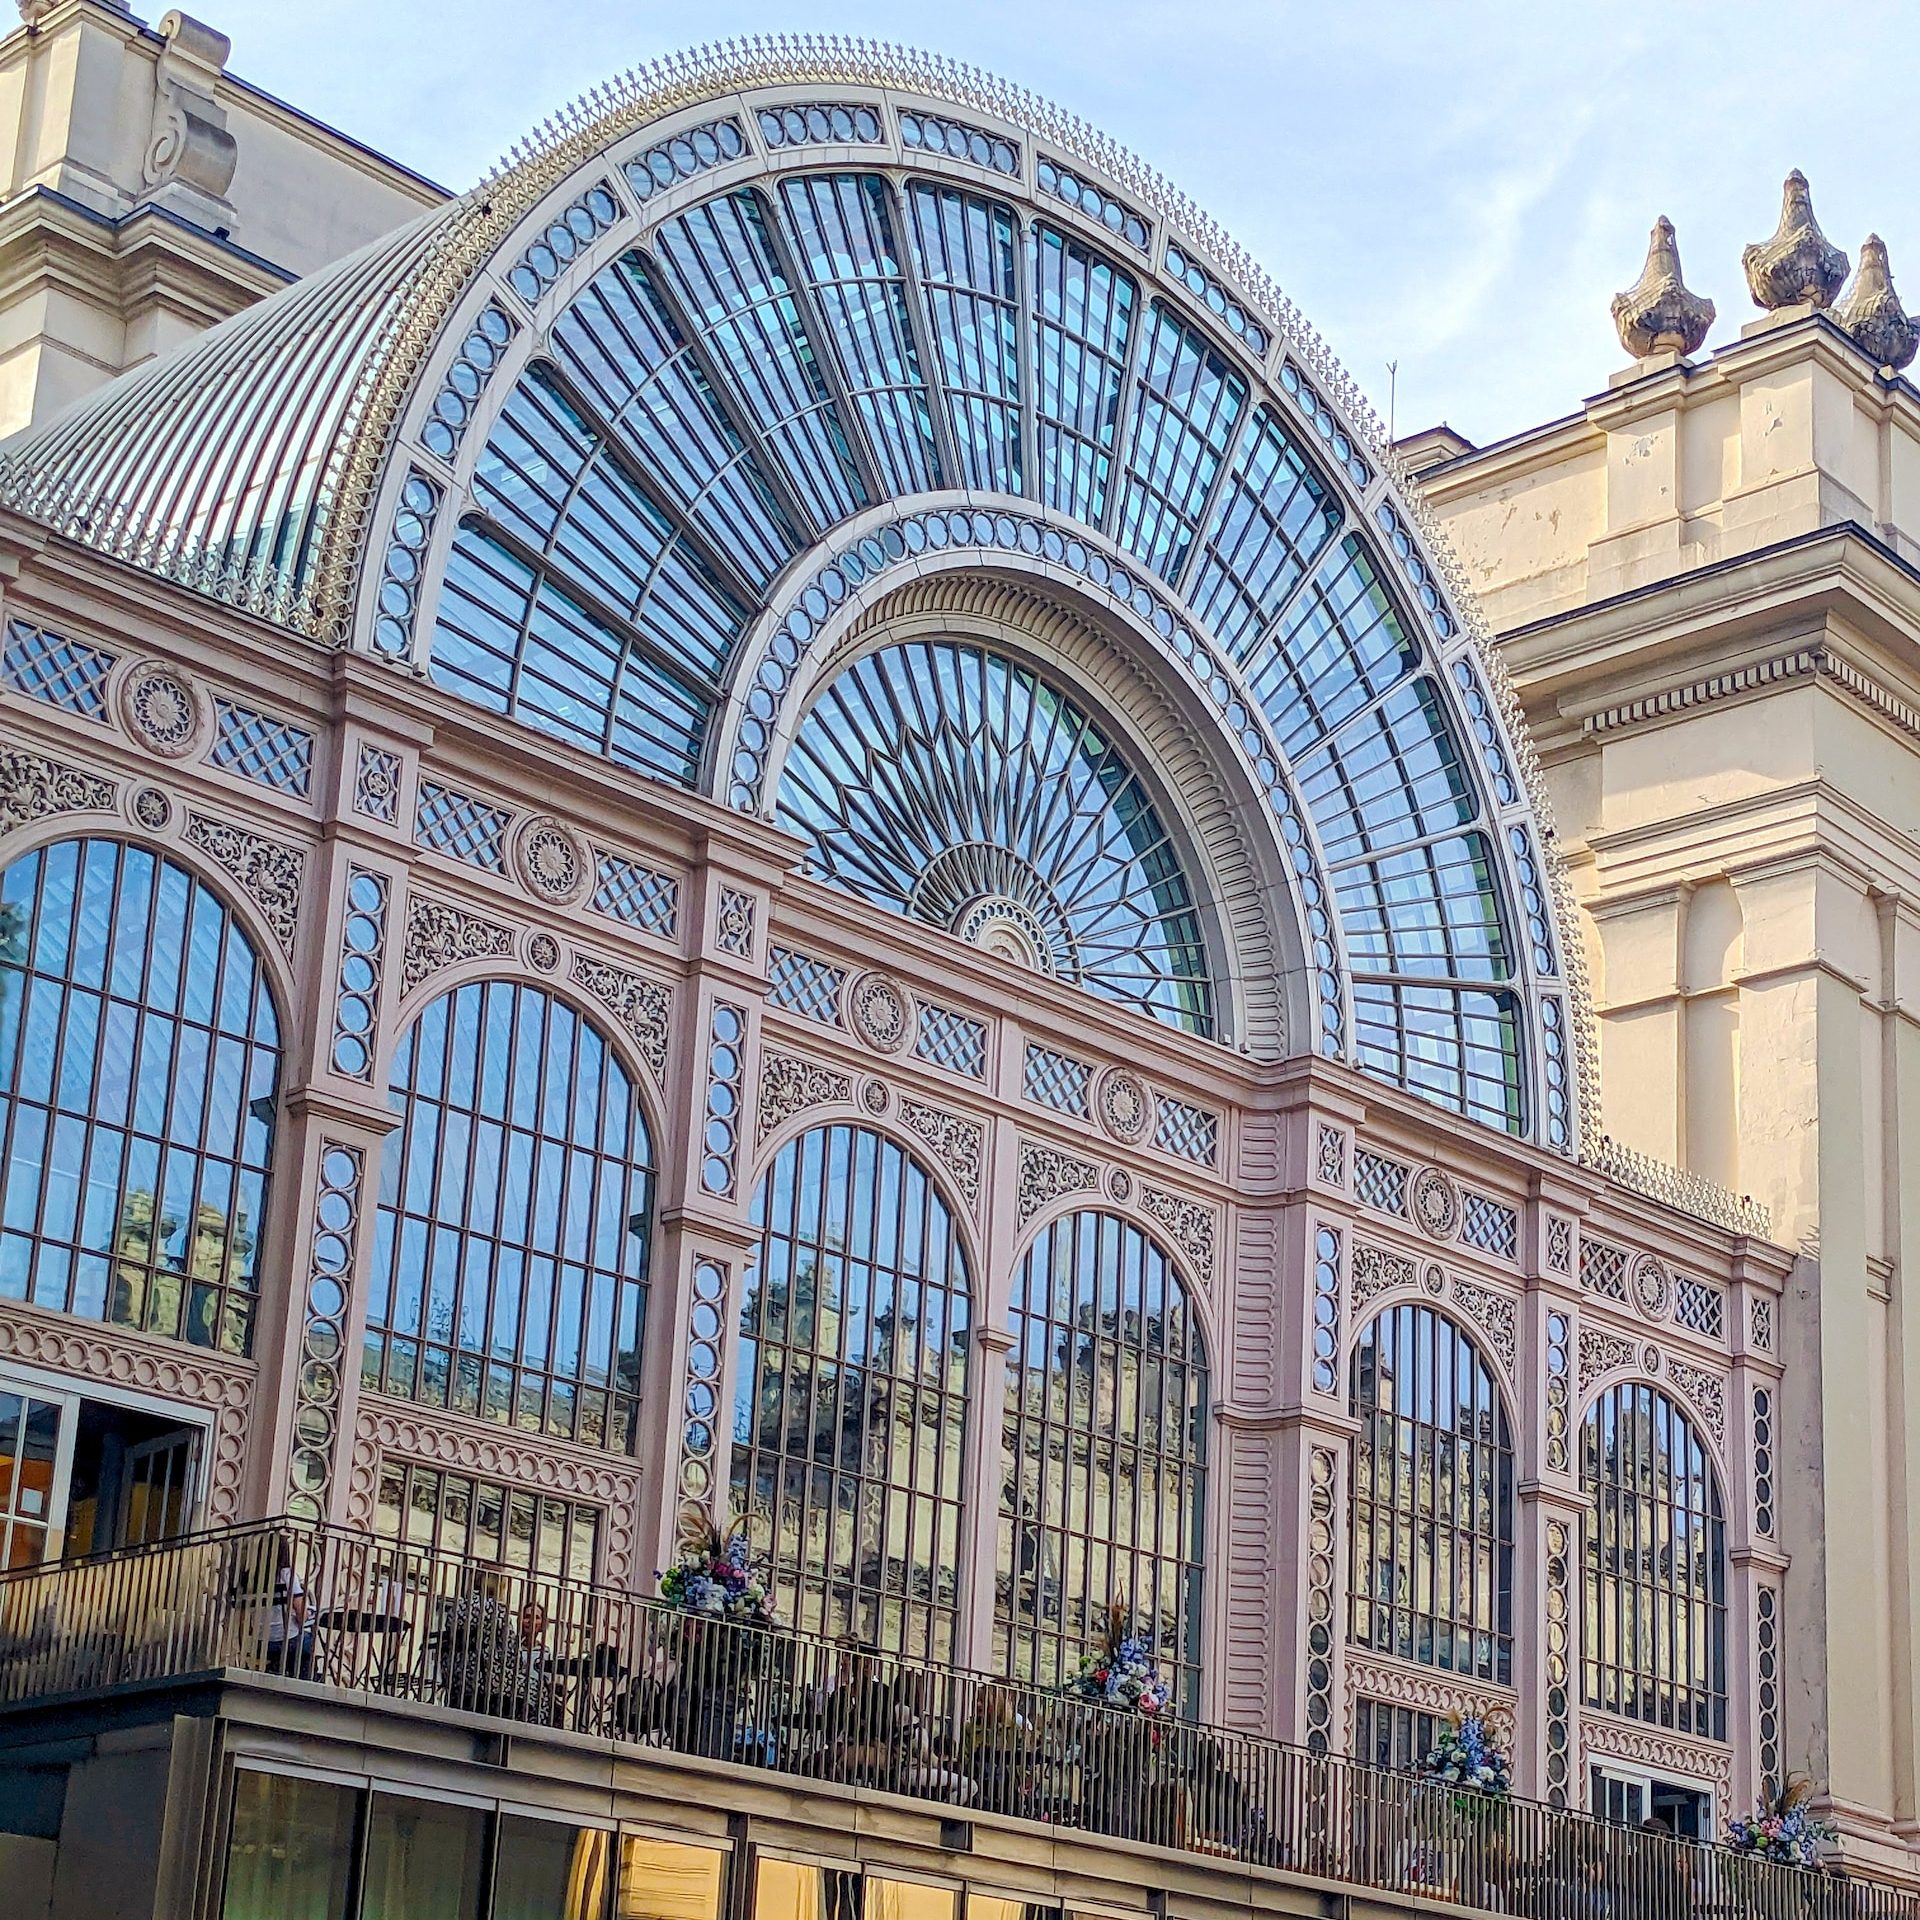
[(64, 673), (1700, 1307), (627, 891), (1190, 1132), (952, 1040), (1603, 1269), (1489, 1225), (273, 753), (1053, 1080), (1379, 1182), (804, 985), (462, 827)]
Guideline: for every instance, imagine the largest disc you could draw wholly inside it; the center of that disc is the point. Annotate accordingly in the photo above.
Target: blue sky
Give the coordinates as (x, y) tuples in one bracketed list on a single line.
[(1459, 185)]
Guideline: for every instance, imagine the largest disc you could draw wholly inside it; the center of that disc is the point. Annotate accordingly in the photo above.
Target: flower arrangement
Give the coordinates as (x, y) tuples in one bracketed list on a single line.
[(1780, 1828), (716, 1577), (1469, 1755), (1122, 1672)]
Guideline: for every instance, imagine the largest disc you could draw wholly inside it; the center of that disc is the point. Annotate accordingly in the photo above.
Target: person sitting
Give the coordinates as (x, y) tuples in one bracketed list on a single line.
[(496, 1662), (290, 1626)]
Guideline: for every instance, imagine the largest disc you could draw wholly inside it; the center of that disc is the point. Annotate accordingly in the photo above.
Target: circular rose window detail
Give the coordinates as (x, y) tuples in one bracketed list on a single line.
[(551, 860), (161, 708), (543, 952), (1124, 1105), (152, 809), (1436, 1204), (1120, 1184), (875, 1097), (882, 1012), (1652, 1287)]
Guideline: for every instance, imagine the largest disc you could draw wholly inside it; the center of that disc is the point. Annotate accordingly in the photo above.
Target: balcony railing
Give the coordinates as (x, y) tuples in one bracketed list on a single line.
[(404, 1623)]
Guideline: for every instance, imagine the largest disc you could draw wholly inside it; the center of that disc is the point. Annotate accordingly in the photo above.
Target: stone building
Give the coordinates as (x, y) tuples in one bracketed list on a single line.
[(790, 817)]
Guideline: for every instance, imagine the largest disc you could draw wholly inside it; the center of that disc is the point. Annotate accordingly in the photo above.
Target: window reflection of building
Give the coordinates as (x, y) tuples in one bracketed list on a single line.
[(1656, 1576), (139, 1066), (1432, 1543), (509, 1272), (849, 1426), (1103, 1460), (486, 1520)]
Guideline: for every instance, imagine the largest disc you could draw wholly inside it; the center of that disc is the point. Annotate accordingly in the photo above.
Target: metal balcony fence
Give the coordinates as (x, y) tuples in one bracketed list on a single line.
[(342, 1610)]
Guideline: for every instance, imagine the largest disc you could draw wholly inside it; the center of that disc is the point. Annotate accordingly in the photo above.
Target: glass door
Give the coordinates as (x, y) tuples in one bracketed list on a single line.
[(156, 1489), (36, 1456)]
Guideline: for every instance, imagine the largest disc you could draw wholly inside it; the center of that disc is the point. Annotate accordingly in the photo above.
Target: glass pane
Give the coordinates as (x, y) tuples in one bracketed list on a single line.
[(788, 1890), (664, 1880), (425, 1861), (546, 1870), (907, 1900), (290, 1851)]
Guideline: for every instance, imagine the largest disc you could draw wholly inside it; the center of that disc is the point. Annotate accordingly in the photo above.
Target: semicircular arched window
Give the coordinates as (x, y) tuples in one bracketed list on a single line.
[(1103, 1455), (1655, 1625), (1432, 1484), (139, 1068), (509, 1272), (850, 1421), (958, 787)]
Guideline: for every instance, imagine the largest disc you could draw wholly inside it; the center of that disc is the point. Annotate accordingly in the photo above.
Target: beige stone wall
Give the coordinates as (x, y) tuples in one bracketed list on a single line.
[(1708, 610)]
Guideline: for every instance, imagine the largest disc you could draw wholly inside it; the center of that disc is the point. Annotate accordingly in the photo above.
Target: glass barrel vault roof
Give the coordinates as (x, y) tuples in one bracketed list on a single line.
[(609, 446)]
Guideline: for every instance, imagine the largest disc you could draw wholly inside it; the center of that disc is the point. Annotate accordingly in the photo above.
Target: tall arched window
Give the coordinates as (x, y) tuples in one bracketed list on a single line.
[(510, 1260), (850, 1422), (1432, 1576), (1656, 1598), (139, 1065), (1103, 1485)]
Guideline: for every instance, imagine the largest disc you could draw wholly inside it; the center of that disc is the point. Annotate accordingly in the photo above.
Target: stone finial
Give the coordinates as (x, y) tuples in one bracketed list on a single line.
[(1799, 265), (1872, 312), (1657, 314)]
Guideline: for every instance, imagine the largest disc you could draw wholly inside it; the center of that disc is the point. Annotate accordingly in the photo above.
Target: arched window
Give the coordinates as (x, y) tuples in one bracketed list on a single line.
[(1656, 1598), (850, 1420), (139, 1065), (510, 1260), (1103, 1486), (1432, 1574)]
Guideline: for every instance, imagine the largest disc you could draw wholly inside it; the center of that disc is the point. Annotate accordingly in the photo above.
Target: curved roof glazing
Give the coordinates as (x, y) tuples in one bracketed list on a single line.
[(636, 428)]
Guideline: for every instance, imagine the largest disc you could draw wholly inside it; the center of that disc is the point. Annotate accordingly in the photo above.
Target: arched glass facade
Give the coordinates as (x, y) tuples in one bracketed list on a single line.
[(509, 1271), (850, 1419), (1103, 1454), (1432, 1487), (953, 785), (139, 1070), (1656, 1575)]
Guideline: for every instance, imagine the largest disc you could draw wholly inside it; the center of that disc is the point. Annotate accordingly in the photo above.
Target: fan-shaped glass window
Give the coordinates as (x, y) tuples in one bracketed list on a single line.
[(1432, 1574), (849, 1429), (139, 1067), (958, 787), (1656, 1592), (509, 1271), (1103, 1455)]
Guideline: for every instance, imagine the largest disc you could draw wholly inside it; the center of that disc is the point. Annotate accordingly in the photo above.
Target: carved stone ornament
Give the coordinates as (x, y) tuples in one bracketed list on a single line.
[(733, 925), (1872, 312), (1047, 1175), (1602, 1353), (1330, 1167), (1434, 1280), (1425, 1692), (1707, 1391), (266, 871), (550, 859), (1120, 1185), (1495, 1315), (1652, 1287), (151, 809), (789, 1085), (1559, 1243), (875, 1097), (161, 708), (543, 952), (1124, 1105), (376, 784), (640, 1005), (1657, 314), (1799, 265), (1602, 1738), (1436, 1204), (33, 787), (1189, 1222), (882, 1012), (957, 1143), (189, 143), (441, 935), (1376, 1270)]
